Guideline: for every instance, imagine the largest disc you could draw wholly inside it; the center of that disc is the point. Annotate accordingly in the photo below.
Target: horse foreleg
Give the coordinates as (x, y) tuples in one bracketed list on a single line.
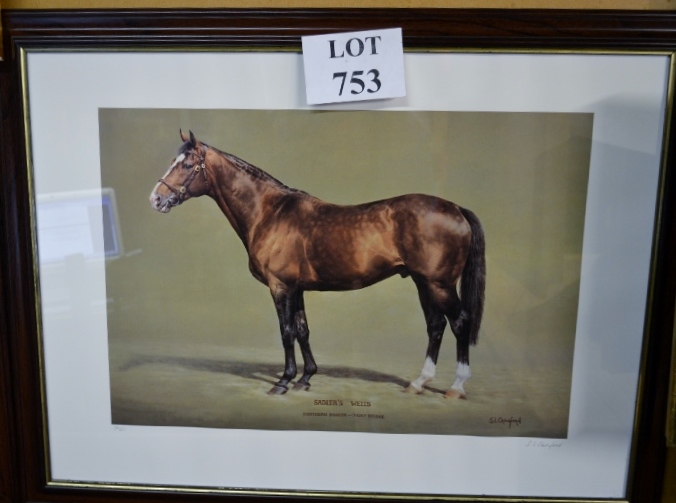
[(303, 336), (285, 303)]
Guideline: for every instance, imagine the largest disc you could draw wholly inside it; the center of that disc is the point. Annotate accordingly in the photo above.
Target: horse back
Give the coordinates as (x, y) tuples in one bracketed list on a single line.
[(323, 246)]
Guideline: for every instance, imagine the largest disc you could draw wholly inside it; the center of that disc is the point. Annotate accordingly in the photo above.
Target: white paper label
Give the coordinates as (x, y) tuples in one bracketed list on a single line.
[(355, 66)]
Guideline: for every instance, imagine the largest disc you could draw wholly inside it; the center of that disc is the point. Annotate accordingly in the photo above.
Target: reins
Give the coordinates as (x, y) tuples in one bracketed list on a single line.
[(185, 188)]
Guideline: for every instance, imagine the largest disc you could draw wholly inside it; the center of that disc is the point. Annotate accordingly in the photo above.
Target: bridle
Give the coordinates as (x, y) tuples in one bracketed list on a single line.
[(183, 189)]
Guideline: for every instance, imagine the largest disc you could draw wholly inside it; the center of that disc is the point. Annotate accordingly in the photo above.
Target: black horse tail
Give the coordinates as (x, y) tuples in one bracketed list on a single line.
[(473, 283)]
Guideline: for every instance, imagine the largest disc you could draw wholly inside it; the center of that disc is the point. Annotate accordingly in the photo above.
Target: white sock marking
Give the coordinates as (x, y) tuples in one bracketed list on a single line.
[(427, 374), (462, 373)]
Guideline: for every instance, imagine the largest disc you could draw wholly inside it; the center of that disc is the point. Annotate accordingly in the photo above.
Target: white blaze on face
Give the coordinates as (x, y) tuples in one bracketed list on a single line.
[(178, 160)]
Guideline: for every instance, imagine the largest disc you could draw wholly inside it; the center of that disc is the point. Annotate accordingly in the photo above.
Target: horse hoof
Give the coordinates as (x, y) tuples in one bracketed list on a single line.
[(299, 386), (413, 390), (454, 393), (278, 390)]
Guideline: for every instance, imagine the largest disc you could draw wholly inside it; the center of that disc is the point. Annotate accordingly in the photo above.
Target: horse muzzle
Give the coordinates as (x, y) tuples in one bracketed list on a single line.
[(163, 204)]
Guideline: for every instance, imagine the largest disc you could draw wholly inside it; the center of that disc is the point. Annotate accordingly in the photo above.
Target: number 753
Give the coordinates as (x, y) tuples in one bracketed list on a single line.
[(359, 83)]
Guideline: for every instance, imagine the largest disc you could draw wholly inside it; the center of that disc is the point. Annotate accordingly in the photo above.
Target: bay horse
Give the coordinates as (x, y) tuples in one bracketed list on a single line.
[(297, 242)]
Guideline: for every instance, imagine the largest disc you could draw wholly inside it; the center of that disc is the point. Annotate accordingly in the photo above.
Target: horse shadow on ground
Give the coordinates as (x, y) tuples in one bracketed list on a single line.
[(266, 372)]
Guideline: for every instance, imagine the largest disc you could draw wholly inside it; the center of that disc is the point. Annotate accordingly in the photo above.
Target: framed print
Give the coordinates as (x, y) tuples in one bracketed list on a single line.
[(220, 291)]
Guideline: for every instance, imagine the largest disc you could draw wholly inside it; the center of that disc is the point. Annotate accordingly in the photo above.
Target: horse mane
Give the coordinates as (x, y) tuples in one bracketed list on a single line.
[(245, 167), (252, 171)]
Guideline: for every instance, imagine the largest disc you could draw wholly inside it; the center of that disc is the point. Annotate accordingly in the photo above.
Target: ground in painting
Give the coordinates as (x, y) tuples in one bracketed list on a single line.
[(222, 387)]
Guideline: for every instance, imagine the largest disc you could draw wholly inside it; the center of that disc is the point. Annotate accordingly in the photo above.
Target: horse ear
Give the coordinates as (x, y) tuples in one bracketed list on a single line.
[(184, 138), (193, 140)]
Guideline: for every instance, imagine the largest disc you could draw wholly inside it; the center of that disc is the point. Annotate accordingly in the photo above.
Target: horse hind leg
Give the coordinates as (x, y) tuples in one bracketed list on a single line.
[(436, 324), (459, 319), (438, 304)]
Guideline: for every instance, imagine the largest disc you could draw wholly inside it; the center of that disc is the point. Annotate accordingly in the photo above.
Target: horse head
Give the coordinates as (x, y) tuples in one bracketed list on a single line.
[(183, 179)]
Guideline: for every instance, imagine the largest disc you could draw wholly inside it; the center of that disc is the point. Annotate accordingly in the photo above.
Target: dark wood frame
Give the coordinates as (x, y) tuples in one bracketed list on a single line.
[(22, 467)]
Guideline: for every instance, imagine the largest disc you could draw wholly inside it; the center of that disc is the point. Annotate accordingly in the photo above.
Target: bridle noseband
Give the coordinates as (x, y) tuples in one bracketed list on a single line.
[(184, 189)]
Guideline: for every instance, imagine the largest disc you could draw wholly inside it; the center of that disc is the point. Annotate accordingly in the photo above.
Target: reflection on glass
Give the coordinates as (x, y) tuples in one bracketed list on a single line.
[(82, 223)]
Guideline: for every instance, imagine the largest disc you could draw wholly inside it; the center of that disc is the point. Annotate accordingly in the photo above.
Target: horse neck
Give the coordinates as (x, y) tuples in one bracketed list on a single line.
[(241, 194)]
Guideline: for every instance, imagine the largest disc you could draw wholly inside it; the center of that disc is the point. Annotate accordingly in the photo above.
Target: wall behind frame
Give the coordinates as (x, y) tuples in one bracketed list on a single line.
[(669, 490)]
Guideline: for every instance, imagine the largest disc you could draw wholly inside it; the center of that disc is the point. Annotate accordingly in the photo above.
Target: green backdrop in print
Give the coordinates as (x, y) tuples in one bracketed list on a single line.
[(194, 338)]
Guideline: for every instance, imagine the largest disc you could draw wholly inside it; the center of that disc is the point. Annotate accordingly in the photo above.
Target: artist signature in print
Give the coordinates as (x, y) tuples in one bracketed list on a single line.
[(509, 421)]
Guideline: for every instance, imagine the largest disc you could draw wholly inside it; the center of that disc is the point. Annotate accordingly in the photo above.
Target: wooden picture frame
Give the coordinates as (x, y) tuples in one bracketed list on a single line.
[(24, 464)]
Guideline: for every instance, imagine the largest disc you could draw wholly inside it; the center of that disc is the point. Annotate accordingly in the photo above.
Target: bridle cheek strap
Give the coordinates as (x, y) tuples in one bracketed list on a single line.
[(185, 188)]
